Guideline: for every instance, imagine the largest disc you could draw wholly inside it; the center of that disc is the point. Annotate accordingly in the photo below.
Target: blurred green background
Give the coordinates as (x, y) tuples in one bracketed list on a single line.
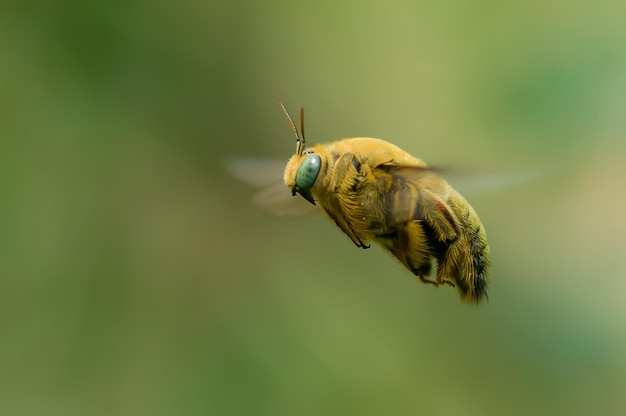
[(136, 276)]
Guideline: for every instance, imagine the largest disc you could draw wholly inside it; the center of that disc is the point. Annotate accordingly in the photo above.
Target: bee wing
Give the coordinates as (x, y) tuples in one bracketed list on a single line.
[(471, 182), (490, 182), (277, 200), (255, 171), (421, 193), (409, 171), (414, 193), (412, 173), (274, 198)]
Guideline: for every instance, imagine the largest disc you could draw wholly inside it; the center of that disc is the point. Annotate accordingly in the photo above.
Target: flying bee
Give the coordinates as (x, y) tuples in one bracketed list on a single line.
[(375, 191)]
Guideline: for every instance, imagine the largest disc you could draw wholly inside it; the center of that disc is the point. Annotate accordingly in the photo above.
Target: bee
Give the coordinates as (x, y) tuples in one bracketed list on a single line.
[(375, 191)]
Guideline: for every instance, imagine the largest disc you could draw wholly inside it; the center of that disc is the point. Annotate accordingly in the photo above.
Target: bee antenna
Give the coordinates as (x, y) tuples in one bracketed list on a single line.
[(302, 127), (299, 142)]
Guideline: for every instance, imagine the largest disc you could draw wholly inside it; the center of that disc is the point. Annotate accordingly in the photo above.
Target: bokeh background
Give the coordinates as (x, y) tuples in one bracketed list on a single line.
[(136, 276)]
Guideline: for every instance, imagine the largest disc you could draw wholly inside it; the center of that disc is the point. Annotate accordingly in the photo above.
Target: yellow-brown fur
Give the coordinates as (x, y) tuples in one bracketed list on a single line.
[(375, 191)]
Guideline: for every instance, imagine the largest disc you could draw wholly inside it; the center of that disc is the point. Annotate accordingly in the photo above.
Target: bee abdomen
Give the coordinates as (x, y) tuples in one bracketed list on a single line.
[(457, 242)]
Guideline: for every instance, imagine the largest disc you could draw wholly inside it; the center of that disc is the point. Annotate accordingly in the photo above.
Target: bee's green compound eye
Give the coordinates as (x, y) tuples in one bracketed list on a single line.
[(308, 171)]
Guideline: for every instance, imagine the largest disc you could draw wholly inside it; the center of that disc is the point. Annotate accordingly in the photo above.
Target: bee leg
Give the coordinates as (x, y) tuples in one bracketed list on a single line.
[(345, 175), (446, 242), (418, 258), (450, 267), (361, 244), (425, 280), (344, 225), (348, 214)]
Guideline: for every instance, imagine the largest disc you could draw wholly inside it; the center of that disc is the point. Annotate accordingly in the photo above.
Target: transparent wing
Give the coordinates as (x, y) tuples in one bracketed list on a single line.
[(478, 183), (256, 171), (275, 197), (472, 182)]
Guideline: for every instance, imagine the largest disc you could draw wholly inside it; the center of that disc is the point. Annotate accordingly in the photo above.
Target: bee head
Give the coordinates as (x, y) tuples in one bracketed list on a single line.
[(303, 167), (301, 173)]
